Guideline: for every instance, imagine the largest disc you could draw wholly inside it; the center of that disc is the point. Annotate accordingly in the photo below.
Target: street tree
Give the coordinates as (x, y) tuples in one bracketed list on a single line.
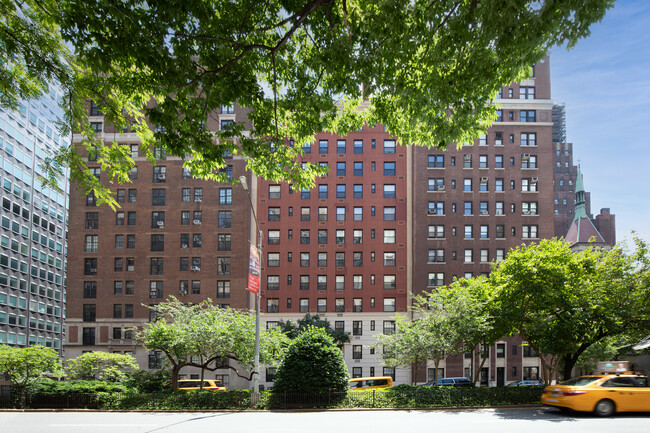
[(563, 302), (444, 322), (24, 365), (294, 329), (208, 337), (429, 71), (312, 363), (108, 367)]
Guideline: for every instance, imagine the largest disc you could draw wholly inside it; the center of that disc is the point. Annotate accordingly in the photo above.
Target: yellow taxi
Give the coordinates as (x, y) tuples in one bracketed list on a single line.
[(363, 383), (195, 384), (603, 394)]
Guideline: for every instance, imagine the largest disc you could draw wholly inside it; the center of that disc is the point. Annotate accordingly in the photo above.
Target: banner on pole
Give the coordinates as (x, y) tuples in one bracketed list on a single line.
[(254, 270)]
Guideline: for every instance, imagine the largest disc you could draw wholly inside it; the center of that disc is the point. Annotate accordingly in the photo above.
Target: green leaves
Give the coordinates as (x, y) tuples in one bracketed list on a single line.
[(428, 70)]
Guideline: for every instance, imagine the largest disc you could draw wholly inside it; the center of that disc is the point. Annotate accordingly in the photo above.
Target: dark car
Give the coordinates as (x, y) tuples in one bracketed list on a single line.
[(451, 381), (527, 383)]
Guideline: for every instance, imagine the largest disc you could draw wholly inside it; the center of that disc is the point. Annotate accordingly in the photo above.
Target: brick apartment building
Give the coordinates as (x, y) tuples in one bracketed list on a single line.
[(172, 235), (386, 222)]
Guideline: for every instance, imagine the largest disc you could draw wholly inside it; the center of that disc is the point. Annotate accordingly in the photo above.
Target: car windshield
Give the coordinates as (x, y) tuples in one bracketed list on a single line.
[(581, 381)]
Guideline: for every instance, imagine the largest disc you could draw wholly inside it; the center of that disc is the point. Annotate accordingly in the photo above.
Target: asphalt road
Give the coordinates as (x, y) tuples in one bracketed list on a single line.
[(359, 421)]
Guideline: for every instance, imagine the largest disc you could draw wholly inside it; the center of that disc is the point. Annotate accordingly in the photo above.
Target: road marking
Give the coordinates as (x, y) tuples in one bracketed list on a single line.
[(104, 425)]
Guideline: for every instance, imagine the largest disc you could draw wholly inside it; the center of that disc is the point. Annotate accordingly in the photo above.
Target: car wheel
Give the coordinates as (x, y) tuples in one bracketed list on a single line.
[(604, 408)]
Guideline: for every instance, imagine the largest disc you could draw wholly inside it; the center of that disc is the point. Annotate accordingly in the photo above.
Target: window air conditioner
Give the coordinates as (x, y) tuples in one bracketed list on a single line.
[(525, 156), (534, 180), (197, 222), (93, 270), (441, 188), (182, 291), (160, 223), (484, 212), (196, 268), (484, 180), (161, 176)]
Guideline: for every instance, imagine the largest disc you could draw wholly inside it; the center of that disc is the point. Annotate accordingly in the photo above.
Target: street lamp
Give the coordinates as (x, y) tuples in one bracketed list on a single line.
[(256, 365)]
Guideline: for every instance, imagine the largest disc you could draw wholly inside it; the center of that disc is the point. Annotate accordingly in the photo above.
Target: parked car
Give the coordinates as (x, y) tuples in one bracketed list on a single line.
[(527, 383), (451, 381), (195, 384), (603, 394)]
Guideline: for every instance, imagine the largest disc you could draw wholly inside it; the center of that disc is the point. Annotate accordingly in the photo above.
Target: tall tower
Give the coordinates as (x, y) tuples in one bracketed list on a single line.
[(582, 233), (34, 225)]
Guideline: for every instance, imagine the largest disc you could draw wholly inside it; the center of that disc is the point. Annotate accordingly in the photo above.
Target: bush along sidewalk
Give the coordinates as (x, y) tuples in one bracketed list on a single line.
[(401, 396)]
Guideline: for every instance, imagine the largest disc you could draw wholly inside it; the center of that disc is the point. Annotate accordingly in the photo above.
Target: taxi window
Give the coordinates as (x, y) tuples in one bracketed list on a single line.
[(377, 382), (581, 381), (626, 382)]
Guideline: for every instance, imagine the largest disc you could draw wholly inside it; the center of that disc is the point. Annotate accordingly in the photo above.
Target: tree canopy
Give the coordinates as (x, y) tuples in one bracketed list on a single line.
[(428, 71), (108, 367), (208, 337), (24, 365), (294, 329), (312, 363), (563, 302), (444, 322)]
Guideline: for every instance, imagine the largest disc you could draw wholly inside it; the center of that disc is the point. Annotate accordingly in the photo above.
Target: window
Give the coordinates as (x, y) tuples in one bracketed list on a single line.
[(526, 92), (389, 168), (389, 236), (304, 305), (223, 266), (273, 237), (467, 208), (390, 258), (467, 161), (340, 168), (91, 243), (119, 218), (529, 231), (482, 161), (305, 214), (323, 146), (498, 185), (436, 255), (340, 191), (357, 236), (390, 282), (92, 220), (274, 214), (196, 240), (130, 218), (223, 289), (358, 168), (322, 260), (357, 282), (304, 282), (339, 282), (322, 214), (389, 146), (157, 242), (357, 305), (357, 259), (357, 191), (389, 327), (223, 242), (500, 231), (158, 197), (436, 161), (272, 305), (340, 146), (435, 184), (322, 191), (339, 259), (467, 185), (529, 185), (468, 231), (529, 207), (274, 191), (340, 236), (357, 214), (389, 305), (436, 208), (528, 161), (437, 231), (436, 279), (304, 260), (340, 213), (304, 236), (527, 116), (528, 139), (225, 195), (484, 232)]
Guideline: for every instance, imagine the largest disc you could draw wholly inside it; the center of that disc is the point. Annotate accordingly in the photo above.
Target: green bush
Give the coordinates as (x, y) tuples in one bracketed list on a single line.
[(49, 386), (145, 381), (312, 364)]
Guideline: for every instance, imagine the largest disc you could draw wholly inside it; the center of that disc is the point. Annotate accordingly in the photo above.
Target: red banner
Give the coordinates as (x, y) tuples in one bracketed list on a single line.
[(254, 270)]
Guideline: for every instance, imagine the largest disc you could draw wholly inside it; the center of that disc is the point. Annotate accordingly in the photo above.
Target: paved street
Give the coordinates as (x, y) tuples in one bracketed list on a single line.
[(449, 421)]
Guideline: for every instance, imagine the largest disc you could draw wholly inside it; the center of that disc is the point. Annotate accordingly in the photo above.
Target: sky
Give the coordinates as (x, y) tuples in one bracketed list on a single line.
[(604, 82)]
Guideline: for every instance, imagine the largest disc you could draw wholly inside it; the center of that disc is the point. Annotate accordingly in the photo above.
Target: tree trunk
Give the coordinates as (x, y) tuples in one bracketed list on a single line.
[(175, 370)]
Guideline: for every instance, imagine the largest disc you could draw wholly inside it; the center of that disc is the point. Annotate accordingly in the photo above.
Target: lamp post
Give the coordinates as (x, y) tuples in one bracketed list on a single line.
[(256, 362)]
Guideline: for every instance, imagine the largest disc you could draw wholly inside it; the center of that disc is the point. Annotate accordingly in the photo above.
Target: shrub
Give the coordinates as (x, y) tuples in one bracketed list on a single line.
[(145, 381), (313, 363), (49, 386)]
